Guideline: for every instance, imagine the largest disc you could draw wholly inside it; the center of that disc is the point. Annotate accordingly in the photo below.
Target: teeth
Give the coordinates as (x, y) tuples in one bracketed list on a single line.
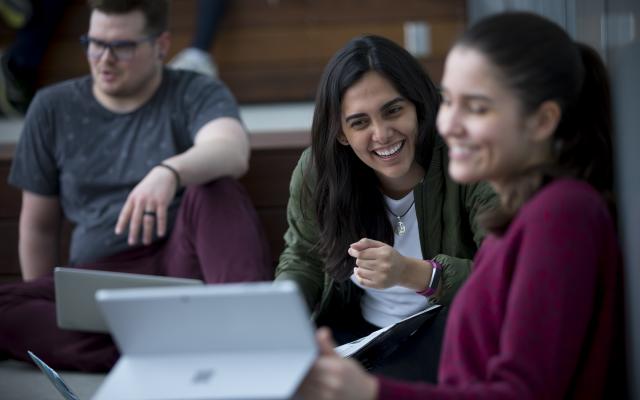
[(389, 151), (459, 150)]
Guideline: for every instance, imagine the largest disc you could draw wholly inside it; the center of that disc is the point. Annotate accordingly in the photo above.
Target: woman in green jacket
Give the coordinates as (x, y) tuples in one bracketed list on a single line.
[(377, 230)]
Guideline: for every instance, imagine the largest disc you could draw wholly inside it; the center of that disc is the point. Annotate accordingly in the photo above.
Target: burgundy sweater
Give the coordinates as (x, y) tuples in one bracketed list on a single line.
[(541, 316)]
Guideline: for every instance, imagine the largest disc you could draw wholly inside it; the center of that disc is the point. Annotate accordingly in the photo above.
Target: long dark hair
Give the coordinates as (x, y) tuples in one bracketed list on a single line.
[(539, 61), (347, 198)]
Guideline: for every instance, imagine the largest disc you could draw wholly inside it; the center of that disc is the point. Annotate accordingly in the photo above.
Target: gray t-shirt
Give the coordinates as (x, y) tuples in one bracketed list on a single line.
[(91, 158)]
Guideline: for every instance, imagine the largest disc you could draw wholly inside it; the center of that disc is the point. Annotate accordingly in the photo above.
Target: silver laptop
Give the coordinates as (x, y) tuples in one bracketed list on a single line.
[(75, 290), (60, 385), (233, 341)]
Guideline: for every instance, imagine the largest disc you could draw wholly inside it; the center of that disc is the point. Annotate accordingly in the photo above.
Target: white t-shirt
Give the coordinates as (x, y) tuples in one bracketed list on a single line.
[(383, 307)]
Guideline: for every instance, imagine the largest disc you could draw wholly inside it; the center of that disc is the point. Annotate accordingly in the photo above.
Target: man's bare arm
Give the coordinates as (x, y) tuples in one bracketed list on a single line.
[(39, 240), (221, 148)]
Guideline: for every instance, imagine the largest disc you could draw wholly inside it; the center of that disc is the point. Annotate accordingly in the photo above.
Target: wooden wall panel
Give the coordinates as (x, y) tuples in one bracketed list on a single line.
[(10, 197), (274, 222), (271, 51), (9, 266), (281, 45)]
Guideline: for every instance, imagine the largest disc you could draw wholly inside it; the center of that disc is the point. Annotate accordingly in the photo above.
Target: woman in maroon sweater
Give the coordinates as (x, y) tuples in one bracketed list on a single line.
[(541, 316)]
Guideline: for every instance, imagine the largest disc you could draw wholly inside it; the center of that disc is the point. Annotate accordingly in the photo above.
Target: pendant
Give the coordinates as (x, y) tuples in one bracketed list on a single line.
[(400, 229)]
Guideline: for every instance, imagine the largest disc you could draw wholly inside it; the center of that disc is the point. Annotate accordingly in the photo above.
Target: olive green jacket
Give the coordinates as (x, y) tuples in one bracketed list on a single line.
[(446, 214)]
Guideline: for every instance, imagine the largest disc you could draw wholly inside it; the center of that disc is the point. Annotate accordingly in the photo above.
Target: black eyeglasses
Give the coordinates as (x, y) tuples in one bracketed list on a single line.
[(122, 50)]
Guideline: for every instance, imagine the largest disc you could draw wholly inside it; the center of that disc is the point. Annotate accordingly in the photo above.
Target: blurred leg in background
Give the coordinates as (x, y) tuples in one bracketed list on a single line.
[(197, 57), (36, 20)]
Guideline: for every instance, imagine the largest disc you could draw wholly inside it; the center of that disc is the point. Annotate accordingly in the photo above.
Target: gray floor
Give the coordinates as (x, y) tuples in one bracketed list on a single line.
[(21, 381)]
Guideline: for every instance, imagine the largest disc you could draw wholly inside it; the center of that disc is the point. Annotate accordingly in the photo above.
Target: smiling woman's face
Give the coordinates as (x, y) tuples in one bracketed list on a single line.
[(481, 120), (381, 128)]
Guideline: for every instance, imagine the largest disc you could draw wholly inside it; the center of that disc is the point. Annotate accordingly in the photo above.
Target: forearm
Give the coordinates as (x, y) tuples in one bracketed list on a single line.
[(208, 162), (38, 251), (221, 149), (417, 274)]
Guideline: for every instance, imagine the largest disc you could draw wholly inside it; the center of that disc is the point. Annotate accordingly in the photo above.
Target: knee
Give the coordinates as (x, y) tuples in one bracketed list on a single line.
[(217, 191)]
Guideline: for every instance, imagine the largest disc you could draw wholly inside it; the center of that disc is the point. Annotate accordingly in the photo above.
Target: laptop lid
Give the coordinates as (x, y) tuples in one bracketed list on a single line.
[(232, 341), (75, 290)]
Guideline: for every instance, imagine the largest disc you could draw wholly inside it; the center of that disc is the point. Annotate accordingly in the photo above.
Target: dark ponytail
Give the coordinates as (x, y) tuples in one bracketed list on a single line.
[(585, 146), (540, 62)]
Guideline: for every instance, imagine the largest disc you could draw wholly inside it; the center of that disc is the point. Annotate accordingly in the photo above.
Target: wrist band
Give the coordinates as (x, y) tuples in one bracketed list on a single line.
[(434, 281), (174, 171)]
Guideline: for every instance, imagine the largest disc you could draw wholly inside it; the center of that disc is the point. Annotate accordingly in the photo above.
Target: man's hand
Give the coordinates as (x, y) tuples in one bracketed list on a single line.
[(147, 206), (379, 265), (335, 378)]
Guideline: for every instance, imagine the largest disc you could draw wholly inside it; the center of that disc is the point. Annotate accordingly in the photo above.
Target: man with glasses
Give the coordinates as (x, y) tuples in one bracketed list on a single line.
[(122, 50), (113, 152)]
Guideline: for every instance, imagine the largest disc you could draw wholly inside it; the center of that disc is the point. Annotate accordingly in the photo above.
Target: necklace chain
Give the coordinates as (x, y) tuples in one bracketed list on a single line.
[(400, 228), (404, 213)]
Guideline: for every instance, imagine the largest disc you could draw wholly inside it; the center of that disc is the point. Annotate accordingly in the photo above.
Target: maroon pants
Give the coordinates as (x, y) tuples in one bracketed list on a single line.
[(217, 237)]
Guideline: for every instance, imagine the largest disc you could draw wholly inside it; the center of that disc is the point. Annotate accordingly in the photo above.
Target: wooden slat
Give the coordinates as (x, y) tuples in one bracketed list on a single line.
[(285, 12), (276, 140), (288, 83), (268, 179), (315, 44), (269, 47), (10, 197), (274, 222), (9, 247), (269, 51)]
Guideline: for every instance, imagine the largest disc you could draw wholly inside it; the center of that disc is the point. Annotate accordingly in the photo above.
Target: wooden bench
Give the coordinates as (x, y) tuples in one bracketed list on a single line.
[(274, 155)]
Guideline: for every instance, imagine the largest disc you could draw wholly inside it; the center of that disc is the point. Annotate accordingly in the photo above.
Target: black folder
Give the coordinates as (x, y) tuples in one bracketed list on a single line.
[(371, 350)]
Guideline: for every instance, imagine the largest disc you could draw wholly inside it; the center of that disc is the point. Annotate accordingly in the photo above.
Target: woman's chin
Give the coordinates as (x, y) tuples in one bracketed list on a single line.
[(463, 176)]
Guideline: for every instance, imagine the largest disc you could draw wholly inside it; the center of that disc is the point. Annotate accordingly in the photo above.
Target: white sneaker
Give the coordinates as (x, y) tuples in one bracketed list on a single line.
[(196, 60)]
